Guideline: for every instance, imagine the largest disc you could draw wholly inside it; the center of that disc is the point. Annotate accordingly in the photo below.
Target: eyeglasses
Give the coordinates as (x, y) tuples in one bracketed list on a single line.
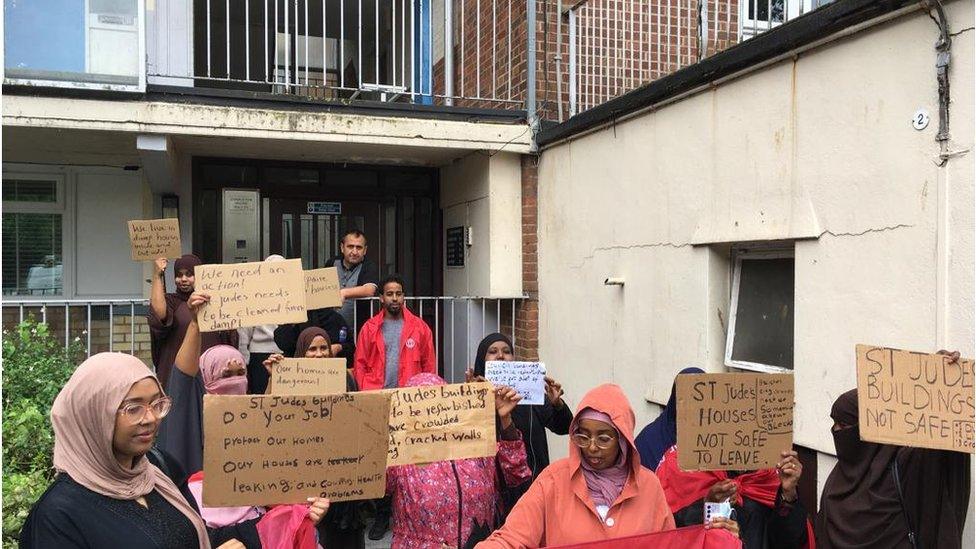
[(137, 412), (602, 441)]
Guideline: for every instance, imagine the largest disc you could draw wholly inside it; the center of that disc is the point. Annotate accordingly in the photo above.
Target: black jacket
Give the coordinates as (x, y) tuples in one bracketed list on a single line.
[(286, 335)]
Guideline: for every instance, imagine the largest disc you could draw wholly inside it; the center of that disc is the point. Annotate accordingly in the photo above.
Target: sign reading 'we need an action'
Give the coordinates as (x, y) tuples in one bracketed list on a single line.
[(915, 399), (251, 294)]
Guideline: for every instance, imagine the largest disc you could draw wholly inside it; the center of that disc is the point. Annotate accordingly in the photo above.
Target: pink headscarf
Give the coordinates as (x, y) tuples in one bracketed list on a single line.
[(606, 484), (83, 417), (213, 363)]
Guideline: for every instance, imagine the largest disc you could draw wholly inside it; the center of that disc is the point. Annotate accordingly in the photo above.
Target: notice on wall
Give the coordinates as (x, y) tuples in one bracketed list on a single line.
[(322, 288), (442, 422), (915, 399), (267, 449), (528, 378), (737, 421), (251, 294), (154, 238), (309, 376)]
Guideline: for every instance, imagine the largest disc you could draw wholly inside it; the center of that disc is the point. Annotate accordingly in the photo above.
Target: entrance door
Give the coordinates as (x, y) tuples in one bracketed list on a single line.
[(314, 237)]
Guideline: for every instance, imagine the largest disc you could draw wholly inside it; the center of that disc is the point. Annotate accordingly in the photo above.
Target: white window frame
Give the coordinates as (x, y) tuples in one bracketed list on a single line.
[(62, 205), (749, 28), (140, 87), (734, 305)]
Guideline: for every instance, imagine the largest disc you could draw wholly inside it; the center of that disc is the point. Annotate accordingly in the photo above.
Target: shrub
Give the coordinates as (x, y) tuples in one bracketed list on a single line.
[(35, 367)]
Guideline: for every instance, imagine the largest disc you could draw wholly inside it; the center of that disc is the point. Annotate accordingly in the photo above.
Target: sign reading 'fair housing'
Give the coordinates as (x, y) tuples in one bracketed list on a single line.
[(441, 422), (263, 450), (251, 294), (915, 399), (739, 421)]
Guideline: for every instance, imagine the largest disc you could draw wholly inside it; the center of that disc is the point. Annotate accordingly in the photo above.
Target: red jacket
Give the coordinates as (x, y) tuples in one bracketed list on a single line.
[(416, 352)]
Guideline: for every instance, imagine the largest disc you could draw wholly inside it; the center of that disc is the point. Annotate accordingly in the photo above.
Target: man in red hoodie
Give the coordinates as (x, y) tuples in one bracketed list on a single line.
[(394, 345)]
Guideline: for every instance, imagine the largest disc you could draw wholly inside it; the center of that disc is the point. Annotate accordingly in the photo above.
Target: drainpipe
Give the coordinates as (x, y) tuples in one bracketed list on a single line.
[(530, 64), (559, 57), (449, 52)]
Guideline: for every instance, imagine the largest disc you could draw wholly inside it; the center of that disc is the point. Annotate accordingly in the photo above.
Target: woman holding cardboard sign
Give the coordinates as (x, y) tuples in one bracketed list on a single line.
[(881, 495), (454, 503)]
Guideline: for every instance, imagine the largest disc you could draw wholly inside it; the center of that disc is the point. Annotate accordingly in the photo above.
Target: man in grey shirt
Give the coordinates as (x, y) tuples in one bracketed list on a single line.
[(357, 277), (392, 328)]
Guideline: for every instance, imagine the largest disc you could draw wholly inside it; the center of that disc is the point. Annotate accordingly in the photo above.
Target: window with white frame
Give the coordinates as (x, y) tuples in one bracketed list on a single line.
[(760, 333), (758, 16), (33, 234)]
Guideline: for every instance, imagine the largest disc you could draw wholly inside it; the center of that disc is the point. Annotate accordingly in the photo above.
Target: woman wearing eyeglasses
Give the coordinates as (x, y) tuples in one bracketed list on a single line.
[(107, 494), (599, 492)]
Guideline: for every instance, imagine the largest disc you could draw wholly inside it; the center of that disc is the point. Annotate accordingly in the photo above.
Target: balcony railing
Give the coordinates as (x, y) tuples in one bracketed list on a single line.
[(458, 324)]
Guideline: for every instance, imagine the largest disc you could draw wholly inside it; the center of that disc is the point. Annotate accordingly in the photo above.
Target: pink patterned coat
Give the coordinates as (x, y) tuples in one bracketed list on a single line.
[(444, 502)]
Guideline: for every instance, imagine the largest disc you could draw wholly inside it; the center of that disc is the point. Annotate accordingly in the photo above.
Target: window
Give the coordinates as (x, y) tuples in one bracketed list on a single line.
[(33, 223), (86, 43), (761, 313), (758, 16)]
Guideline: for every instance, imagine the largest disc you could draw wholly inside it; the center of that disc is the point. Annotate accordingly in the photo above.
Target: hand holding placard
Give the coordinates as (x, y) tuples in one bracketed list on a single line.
[(739, 421), (915, 399), (154, 238), (528, 378)]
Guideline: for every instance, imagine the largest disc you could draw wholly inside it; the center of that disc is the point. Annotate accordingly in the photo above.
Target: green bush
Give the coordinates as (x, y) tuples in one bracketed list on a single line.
[(35, 367)]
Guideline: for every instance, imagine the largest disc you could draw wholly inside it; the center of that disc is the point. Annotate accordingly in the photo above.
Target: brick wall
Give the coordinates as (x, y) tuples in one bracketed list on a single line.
[(527, 313)]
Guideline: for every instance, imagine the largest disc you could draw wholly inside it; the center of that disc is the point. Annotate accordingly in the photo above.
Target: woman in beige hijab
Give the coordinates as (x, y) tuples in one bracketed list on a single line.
[(107, 493)]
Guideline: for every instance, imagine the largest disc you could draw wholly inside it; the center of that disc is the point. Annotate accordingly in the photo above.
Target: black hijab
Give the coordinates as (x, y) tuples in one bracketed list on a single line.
[(187, 262), (861, 507), (479, 358)]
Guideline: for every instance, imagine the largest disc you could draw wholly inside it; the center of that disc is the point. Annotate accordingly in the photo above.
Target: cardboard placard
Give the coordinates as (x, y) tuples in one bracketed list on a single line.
[(914, 399), (309, 376), (267, 449), (733, 422), (322, 288), (251, 294), (155, 238), (442, 422), (528, 378)]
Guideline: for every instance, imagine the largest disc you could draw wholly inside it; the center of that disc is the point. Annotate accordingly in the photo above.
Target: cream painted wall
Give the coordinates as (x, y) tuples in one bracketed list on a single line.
[(485, 193), (819, 149)]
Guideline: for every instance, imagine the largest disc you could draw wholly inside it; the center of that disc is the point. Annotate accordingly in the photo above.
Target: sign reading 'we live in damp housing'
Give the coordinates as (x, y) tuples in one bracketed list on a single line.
[(733, 422), (154, 238), (251, 294), (915, 399)]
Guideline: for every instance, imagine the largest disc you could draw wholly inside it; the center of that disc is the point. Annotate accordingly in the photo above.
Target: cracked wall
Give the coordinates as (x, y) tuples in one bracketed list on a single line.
[(818, 149)]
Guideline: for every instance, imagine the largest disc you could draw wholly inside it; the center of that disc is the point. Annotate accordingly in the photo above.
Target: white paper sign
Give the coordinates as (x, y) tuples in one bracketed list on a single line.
[(528, 378)]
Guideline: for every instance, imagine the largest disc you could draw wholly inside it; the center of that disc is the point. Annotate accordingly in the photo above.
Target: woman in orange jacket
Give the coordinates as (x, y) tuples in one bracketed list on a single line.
[(599, 492)]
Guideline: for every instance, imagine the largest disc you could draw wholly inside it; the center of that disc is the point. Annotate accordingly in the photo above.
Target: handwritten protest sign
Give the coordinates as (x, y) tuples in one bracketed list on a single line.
[(442, 422), (739, 421), (251, 294), (309, 376), (322, 288), (154, 238), (914, 399), (528, 378), (261, 450)]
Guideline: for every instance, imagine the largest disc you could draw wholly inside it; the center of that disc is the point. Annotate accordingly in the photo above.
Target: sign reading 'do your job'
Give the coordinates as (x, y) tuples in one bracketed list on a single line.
[(441, 422), (914, 399), (267, 449), (309, 376), (737, 421), (528, 378), (154, 238), (251, 294)]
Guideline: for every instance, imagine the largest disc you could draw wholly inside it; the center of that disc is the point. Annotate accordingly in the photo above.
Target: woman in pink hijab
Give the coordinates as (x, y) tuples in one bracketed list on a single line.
[(107, 493)]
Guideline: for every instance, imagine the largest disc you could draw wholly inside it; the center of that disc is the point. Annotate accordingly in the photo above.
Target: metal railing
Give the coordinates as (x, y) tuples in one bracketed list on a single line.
[(616, 46), (458, 324), (417, 51)]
